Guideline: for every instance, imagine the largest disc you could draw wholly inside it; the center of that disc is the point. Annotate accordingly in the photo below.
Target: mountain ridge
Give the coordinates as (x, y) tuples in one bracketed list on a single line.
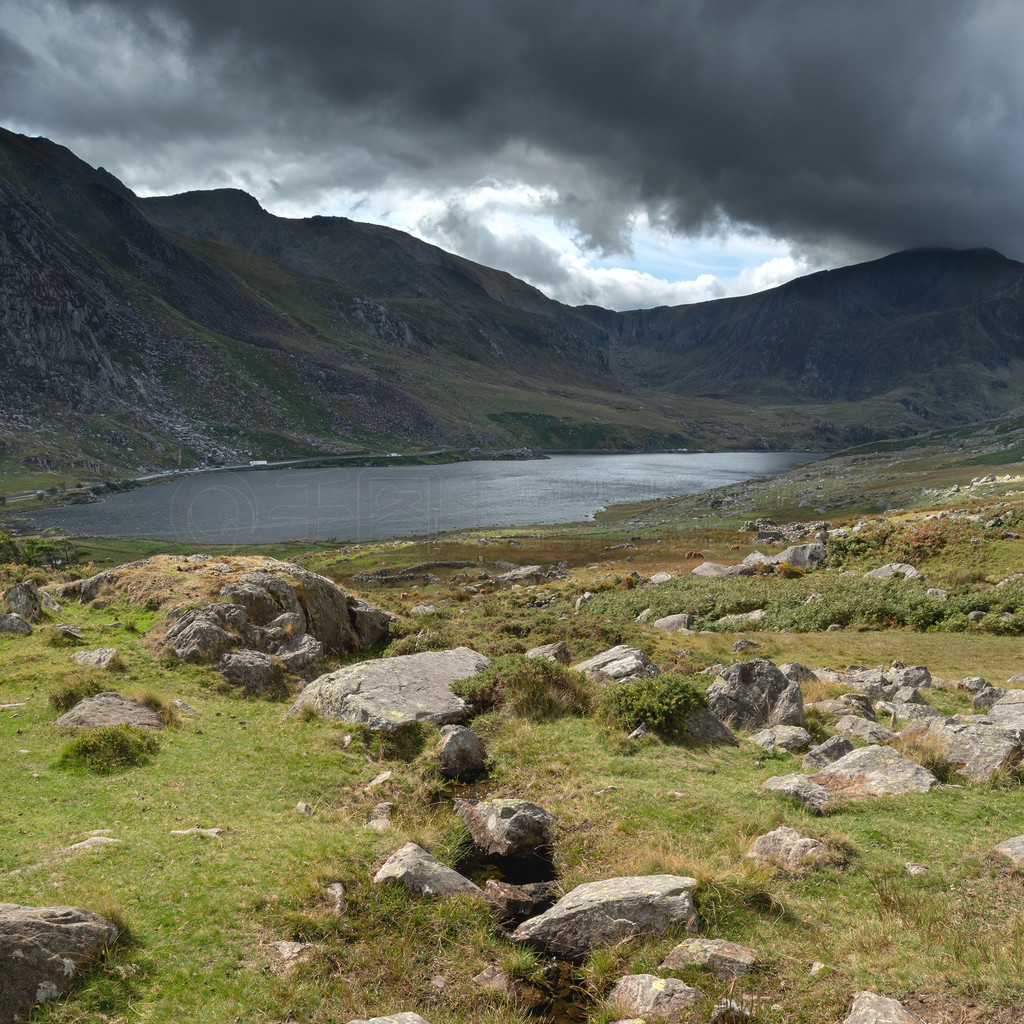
[(177, 330)]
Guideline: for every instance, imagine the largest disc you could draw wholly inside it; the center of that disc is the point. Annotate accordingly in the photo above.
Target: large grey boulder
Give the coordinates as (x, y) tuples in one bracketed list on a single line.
[(371, 625), (705, 726), (197, 637), (894, 570), (23, 599), (977, 748), (416, 870), (725, 960), (861, 729), (709, 570), (783, 737), (675, 623), (110, 709), (14, 624), (1008, 711), (801, 556), (652, 997), (800, 674), (300, 653), (809, 794), (871, 1008), (874, 771), (751, 695), (42, 950), (506, 828), (619, 663), (250, 670), (786, 848), (460, 753), (605, 912), (825, 753), (392, 692)]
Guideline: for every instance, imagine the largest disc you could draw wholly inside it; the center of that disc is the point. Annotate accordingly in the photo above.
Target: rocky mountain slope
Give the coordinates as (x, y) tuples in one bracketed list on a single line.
[(150, 333)]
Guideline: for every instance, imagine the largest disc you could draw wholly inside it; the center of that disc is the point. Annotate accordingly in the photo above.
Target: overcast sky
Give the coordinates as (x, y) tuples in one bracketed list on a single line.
[(622, 152)]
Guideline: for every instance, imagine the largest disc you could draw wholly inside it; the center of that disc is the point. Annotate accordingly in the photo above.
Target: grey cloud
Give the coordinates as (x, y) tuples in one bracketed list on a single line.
[(845, 127)]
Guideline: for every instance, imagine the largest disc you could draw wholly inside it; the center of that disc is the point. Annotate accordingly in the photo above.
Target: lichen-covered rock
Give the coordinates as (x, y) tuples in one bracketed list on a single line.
[(894, 570), (416, 870), (109, 709), (300, 653), (23, 599), (725, 960), (812, 796), (709, 570), (1008, 711), (252, 671), (705, 726), (862, 729), (42, 950), (101, 657), (620, 663), (514, 990), (197, 637), (978, 749), (754, 694), (557, 651), (787, 848), (742, 620), (506, 828), (607, 911), (389, 693), (825, 753), (874, 771), (1013, 849), (871, 1008), (394, 1018), (14, 624), (783, 737), (656, 998), (674, 623)]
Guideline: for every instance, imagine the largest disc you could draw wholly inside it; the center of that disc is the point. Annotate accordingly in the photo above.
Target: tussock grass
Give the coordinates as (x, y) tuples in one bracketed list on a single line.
[(112, 748)]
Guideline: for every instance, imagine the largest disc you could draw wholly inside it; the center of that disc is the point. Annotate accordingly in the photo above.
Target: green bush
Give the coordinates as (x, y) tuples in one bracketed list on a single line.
[(108, 750), (664, 703), (65, 697), (528, 687)]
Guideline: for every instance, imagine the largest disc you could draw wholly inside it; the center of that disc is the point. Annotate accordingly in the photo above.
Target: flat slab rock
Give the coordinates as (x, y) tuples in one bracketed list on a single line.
[(391, 692), (658, 998), (42, 949), (871, 1008), (604, 912), (622, 662), (416, 870), (1009, 710), (874, 771), (110, 709), (725, 960)]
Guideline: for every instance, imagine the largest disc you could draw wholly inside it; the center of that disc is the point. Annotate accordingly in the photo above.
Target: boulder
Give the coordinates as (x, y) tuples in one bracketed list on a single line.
[(1008, 711), (14, 624), (787, 848), (894, 570), (825, 753), (48, 602), (255, 672), (801, 556), (416, 870), (423, 609), (912, 712), (101, 657), (659, 577), (978, 749), (1013, 849), (197, 637), (908, 675), (871, 1008), (371, 625), (656, 998), (607, 911), (42, 949), (300, 653), (522, 574), (260, 605), (389, 693), (809, 794), (557, 651), (753, 694), (742, 620), (674, 623), (874, 771), (513, 904), (708, 570), (725, 960), (862, 729), (800, 674), (783, 737), (618, 663), (460, 753), (110, 709), (23, 599), (506, 828), (705, 726)]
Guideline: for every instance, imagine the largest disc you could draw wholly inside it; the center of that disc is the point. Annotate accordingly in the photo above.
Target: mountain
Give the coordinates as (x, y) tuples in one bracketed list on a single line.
[(141, 334)]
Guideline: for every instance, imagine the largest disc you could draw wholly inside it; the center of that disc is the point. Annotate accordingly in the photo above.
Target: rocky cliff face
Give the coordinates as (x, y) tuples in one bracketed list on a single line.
[(168, 331)]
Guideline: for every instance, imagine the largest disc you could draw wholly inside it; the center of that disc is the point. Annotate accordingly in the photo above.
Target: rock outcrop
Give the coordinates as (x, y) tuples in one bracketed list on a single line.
[(754, 694)]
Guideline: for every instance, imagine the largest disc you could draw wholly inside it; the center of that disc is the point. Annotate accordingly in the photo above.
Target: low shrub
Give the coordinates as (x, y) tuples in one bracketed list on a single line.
[(107, 750), (529, 687), (663, 703), (66, 696)]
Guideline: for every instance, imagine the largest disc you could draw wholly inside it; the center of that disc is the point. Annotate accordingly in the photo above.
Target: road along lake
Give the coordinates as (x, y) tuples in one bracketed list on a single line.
[(363, 504)]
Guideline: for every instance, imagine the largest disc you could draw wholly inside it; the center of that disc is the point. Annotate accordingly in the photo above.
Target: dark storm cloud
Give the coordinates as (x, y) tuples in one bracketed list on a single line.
[(868, 125)]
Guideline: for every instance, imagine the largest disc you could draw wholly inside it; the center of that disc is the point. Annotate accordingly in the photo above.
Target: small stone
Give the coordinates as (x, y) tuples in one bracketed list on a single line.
[(597, 792), (816, 968), (871, 1008), (915, 869), (787, 848), (460, 752), (662, 998), (335, 894), (379, 780), (303, 808), (727, 1011), (557, 652), (291, 950), (94, 843), (209, 833), (725, 960)]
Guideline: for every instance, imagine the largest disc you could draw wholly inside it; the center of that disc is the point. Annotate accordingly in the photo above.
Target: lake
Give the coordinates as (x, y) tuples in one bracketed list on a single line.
[(363, 504)]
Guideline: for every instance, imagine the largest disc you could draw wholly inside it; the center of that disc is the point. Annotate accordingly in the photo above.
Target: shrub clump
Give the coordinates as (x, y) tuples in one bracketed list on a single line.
[(528, 687), (65, 697), (663, 703), (109, 749)]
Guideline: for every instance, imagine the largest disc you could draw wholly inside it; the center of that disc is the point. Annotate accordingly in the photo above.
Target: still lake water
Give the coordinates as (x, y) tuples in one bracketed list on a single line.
[(363, 504)]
